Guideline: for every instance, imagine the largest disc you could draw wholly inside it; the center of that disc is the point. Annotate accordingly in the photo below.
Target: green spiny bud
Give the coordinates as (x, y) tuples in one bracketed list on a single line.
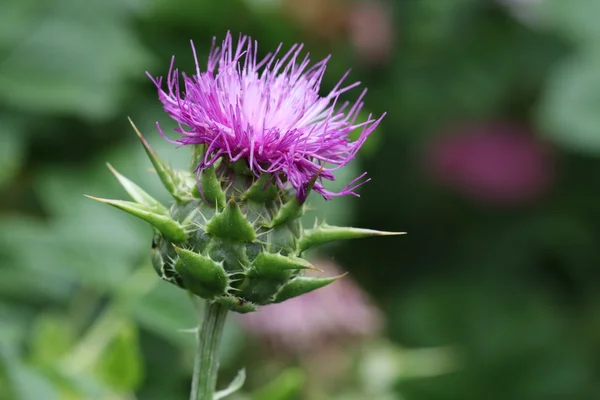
[(240, 253)]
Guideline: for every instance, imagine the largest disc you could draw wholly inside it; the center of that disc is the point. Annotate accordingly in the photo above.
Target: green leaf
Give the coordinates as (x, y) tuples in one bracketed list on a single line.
[(165, 311), (70, 58), (52, 338), (568, 112), (12, 151), (27, 383), (575, 19), (121, 364), (287, 386)]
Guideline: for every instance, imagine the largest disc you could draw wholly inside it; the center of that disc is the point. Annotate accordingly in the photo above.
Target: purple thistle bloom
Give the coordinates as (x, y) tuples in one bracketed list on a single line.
[(268, 112)]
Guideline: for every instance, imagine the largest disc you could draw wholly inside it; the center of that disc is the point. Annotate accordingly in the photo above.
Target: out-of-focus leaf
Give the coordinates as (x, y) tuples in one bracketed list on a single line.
[(575, 19), (14, 323), (121, 365), (26, 382), (73, 58), (52, 337), (12, 150), (167, 310), (568, 112), (287, 386)]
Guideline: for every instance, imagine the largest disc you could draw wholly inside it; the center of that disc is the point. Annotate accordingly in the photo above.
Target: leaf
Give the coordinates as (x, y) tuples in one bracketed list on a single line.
[(72, 58), (166, 310), (121, 365), (52, 337), (287, 386), (12, 151), (568, 112), (575, 19), (27, 383)]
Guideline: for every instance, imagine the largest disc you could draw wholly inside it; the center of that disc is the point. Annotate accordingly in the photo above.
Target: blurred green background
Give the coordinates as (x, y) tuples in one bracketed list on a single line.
[(488, 157)]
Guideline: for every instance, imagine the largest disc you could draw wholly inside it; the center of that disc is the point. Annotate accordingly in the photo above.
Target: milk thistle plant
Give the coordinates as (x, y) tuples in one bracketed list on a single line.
[(263, 138)]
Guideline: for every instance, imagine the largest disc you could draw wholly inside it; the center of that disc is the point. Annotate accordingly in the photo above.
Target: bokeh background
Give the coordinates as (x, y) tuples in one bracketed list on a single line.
[(488, 157)]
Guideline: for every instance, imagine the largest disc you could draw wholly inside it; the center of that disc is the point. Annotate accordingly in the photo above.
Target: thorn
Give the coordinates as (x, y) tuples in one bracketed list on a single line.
[(96, 198), (177, 249), (312, 267)]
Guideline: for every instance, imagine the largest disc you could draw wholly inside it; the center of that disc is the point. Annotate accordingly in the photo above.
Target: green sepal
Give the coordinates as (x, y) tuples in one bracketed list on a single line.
[(167, 226), (240, 167), (201, 275), (325, 233), (231, 225), (273, 265), (311, 183), (261, 190), (211, 188), (289, 211), (157, 261), (301, 285), (137, 193), (166, 174), (198, 151), (293, 209), (236, 304)]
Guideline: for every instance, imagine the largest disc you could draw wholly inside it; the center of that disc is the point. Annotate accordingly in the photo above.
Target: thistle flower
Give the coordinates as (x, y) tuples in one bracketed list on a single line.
[(259, 130), (233, 234), (268, 112)]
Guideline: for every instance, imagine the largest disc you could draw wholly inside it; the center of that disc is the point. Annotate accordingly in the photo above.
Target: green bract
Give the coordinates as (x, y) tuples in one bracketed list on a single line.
[(237, 240)]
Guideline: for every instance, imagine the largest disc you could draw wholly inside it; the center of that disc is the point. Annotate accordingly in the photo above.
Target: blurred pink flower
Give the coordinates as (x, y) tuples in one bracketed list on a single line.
[(371, 31), (494, 163), (335, 313)]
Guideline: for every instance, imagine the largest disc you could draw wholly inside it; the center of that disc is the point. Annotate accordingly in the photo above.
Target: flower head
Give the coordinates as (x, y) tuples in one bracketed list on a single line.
[(269, 112)]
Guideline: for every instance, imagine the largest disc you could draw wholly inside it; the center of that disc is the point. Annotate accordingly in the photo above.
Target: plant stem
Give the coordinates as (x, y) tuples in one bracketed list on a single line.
[(206, 362)]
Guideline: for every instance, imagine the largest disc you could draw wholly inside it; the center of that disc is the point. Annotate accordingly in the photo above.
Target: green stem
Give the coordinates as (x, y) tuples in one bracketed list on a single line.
[(206, 362)]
